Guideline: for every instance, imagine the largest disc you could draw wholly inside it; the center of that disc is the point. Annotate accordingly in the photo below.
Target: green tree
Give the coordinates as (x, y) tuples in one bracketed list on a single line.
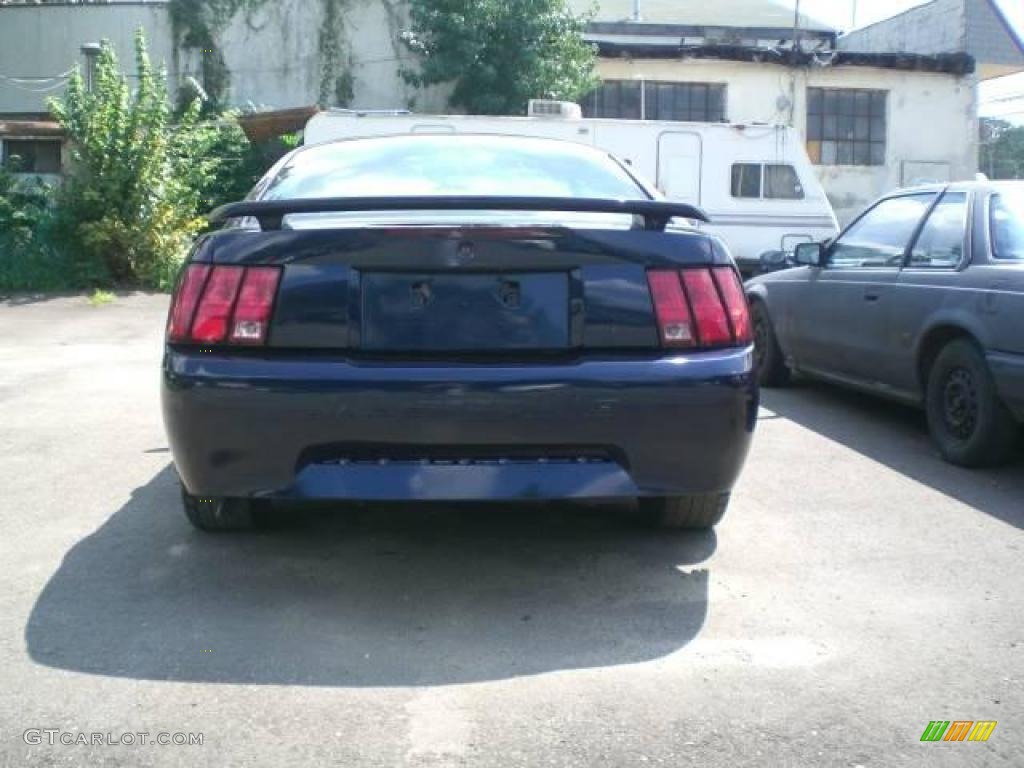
[(1002, 149), (498, 54), (127, 212), (223, 164)]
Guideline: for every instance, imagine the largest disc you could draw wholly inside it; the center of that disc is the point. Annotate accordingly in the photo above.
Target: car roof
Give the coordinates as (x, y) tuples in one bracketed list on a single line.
[(980, 185), (459, 138)]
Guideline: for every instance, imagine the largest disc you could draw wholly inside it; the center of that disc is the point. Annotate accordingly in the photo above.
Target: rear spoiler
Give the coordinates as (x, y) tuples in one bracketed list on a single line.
[(269, 213)]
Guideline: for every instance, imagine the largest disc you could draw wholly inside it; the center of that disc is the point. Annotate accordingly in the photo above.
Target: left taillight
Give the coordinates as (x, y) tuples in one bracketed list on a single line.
[(223, 304), (185, 300)]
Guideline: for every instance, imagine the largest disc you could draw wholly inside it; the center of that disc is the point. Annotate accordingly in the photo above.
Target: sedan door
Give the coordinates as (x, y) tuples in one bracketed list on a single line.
[(931, 279), (842, 326)]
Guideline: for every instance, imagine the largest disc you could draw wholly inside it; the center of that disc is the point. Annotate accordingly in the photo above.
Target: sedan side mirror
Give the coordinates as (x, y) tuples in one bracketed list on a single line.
[(809, 254)]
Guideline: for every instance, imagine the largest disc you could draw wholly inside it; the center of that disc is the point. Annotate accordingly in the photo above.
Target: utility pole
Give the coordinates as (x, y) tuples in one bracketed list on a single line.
[(794, 63), (853, 14), (796, 27)]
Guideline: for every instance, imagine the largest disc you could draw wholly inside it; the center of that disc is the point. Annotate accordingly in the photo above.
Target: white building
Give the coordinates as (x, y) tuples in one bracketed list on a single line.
[(873, 119)]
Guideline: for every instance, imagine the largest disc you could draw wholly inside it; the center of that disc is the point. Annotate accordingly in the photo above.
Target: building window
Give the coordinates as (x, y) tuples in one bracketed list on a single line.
[(31, 155), (768, 182), (846, 126), (653, 100)]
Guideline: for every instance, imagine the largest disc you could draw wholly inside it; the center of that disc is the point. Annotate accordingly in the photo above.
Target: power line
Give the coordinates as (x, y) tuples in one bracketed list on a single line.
[(1002, 99)]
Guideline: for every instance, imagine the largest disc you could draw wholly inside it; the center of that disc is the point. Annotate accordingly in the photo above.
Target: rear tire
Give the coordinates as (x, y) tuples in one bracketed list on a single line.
[(699, 512), (772, 370), (968, 422), (217, 514)]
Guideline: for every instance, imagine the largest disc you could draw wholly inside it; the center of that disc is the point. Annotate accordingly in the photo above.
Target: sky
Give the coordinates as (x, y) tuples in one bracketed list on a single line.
[(1002, 98), (839, 13)]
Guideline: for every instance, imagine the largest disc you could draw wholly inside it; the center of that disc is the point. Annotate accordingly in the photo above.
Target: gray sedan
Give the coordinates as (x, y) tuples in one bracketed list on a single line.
[(920, 299)]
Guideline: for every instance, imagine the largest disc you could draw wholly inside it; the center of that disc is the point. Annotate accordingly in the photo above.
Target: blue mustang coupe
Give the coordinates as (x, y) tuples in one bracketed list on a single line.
[(437, 317)]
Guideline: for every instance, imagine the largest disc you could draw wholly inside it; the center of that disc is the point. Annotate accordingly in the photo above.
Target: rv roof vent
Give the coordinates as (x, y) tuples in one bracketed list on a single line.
[(566, 110)]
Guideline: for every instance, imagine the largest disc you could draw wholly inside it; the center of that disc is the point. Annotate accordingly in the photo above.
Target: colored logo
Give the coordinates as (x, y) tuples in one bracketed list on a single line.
[(958, 730)]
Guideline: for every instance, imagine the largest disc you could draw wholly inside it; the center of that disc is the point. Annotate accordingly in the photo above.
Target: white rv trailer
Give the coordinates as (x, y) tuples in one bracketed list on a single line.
[(755, 181)]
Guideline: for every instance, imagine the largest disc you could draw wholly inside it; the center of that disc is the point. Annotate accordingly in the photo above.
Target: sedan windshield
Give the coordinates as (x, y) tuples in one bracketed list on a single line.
[(1008, 225)]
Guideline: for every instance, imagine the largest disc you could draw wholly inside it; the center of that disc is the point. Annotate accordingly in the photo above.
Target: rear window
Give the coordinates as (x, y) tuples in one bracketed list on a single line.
[(451, 165), (424, 166), (1008, 226)]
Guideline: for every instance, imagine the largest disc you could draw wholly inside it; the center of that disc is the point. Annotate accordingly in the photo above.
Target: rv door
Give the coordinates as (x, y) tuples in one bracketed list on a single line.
[(679, 165)]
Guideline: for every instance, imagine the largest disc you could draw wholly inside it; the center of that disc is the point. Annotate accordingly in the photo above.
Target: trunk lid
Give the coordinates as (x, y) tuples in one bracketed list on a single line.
[(421, 291)]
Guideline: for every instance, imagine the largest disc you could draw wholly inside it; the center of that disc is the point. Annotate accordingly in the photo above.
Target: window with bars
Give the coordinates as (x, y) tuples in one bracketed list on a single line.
[(846, 126), (656, 100)]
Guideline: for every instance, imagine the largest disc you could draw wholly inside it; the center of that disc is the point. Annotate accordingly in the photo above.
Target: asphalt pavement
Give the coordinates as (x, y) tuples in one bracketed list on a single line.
[(857, 589)]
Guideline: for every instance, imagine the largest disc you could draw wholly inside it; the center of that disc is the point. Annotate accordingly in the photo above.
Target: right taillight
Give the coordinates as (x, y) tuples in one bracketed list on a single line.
[(223, 304), (701, 307), (735, 298)]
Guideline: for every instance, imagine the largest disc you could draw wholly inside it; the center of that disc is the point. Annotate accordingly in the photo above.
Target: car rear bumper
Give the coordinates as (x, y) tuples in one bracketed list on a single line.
[(334, 428)]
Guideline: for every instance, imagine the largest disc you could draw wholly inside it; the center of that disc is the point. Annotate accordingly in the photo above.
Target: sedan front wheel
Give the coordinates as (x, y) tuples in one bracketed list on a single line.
[(771, 365)]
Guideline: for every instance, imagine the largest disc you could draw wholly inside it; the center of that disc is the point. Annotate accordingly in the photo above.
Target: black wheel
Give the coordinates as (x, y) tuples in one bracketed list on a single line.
[(697, 512), (217, 514), (771, 365), (968, 422)]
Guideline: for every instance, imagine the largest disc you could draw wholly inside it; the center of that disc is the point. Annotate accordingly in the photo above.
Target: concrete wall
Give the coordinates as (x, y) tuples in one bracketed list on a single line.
[(274, 56), (273, 53), (932, 124), (44, 41)]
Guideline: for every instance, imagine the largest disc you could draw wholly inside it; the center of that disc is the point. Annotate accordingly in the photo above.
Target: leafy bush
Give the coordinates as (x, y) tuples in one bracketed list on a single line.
[(126, 212), (28, 260), (139, 181), (224, 165)]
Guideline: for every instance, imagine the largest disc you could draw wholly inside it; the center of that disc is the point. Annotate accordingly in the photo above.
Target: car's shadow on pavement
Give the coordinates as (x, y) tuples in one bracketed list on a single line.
[(897, 436), (416, 595)]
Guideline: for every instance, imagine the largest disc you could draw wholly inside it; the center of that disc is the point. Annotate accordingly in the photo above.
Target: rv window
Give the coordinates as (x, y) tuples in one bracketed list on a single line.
[(782, 183), (746, 180)]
